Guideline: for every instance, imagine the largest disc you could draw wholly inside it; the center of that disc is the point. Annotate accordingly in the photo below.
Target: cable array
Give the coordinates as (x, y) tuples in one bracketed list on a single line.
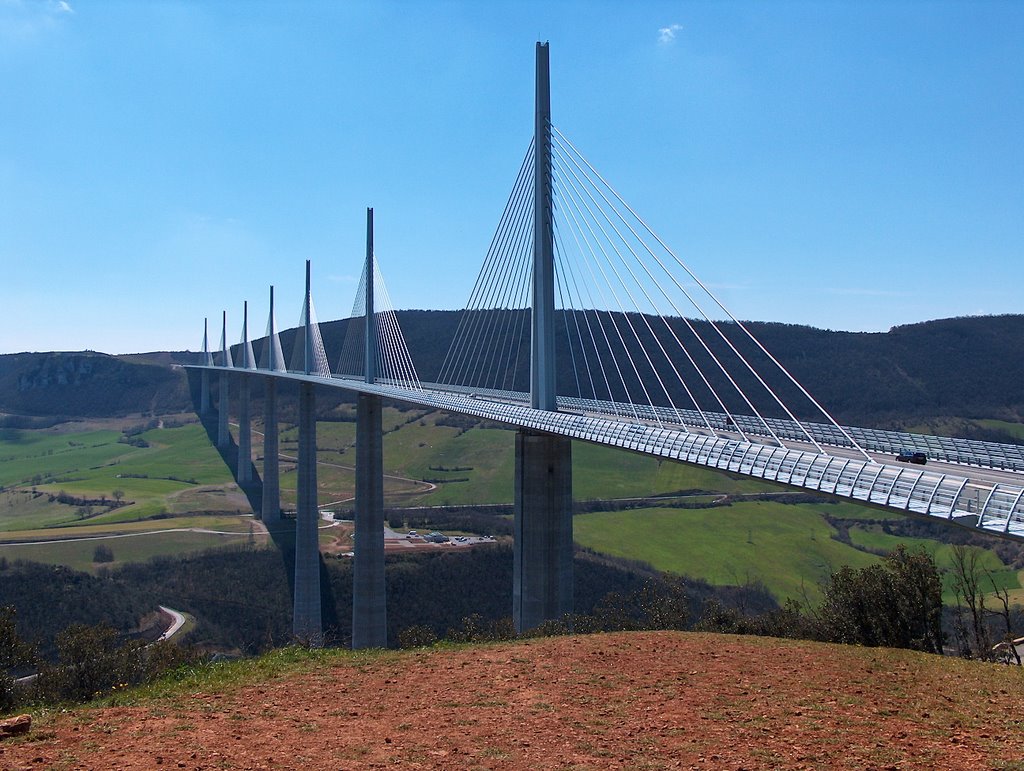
[(319, 365), (272, 357), (393, 362), (639, 334), (488, 349)]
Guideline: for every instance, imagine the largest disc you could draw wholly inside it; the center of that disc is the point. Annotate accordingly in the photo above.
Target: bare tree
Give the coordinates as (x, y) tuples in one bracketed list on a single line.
[(967, 574), (1003, 594)]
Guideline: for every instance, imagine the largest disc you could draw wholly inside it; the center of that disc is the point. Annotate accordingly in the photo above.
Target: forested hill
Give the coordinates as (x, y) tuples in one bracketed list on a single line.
[(87, 384), (969, 367)]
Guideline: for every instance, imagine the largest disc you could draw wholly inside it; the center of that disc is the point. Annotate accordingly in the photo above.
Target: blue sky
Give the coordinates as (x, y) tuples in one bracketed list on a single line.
[(849, 165)]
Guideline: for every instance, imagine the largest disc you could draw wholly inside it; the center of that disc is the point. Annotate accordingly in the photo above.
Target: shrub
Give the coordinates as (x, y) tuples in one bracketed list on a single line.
[(417, 636), (91, 662), (14, 653)]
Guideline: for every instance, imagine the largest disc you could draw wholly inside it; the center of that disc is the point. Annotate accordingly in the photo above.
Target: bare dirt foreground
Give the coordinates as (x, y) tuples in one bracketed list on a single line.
[(631, 700)]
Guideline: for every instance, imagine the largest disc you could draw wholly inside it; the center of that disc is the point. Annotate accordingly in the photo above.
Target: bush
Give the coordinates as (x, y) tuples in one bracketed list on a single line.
[(476, 628), (103, 553), (897, 603), (91, 662), (659, 603), (417, 636), (14, 653)]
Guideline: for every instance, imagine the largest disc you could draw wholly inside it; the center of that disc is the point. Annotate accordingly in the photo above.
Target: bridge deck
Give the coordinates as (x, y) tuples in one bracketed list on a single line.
[(989, 500)]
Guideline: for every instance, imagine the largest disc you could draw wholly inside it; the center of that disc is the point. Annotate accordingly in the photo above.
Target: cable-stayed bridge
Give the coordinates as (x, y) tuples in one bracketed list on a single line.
[(582, 325)]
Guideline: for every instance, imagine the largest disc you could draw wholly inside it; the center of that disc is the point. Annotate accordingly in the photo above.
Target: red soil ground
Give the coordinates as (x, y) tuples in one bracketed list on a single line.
[(630, 700)]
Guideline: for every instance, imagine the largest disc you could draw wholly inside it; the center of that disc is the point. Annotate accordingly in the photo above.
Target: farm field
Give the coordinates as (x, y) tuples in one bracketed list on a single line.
[(141, 493), (128, 547), (174, 481), (788, 548)]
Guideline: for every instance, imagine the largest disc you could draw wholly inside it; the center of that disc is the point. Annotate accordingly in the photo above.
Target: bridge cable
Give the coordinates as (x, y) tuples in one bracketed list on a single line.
[(710, 294), (689, 297), (692, 362), (453, 361)]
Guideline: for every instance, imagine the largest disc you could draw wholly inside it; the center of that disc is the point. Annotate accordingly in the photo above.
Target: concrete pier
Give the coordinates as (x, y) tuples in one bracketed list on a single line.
[(204, 393), (542, 574), (223, 435), (369, 609), (307, 624), (244, 434), (271, 506)]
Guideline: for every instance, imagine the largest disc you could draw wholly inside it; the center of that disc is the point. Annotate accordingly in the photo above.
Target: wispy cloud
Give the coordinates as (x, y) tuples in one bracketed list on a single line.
[(667, 35), (25, 20)]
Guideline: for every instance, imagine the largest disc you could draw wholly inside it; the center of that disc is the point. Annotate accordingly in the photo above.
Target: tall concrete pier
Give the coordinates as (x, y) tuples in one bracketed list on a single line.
[(542, 583), (223, 436), (307, 624), (244, 417), (244, 433), (369, 609), (542, 574), (204, 393), (271, 503), (204, 377), (306, 619), (273, 359)]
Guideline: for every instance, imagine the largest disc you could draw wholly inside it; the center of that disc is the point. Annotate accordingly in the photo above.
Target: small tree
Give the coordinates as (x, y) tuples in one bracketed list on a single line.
[(897, 603), (972, 634), (118, 495), (102, 553), (13, 653), (91, 661)]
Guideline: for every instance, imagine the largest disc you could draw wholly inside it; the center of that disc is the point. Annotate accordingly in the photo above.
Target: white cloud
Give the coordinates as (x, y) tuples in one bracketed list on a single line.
[(26, 20), (667, 35)]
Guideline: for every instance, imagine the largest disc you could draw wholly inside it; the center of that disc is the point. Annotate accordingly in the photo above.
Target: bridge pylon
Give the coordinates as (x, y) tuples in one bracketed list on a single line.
[(273, 360), (223, 435), (307, 624), (244, 403), (542, 577), (204, 377), (369, 608)]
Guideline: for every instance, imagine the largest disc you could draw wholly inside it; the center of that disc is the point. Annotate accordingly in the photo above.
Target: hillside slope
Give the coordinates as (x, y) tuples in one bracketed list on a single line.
[(87, 384), (955, 368), (921, 373), (628, 700)]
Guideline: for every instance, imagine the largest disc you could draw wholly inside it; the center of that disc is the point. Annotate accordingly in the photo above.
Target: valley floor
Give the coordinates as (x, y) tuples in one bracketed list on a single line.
[(628, 700)]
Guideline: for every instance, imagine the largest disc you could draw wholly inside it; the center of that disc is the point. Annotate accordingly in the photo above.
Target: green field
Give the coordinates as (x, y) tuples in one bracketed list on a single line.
[(1016, 430), (1002, 576), (180, 481), (92, 465), (79, 554), (787, 548)]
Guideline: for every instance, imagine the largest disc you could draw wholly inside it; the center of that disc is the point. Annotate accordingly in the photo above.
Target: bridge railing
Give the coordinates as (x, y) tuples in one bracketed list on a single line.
[(912, 489), (967, 452)]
